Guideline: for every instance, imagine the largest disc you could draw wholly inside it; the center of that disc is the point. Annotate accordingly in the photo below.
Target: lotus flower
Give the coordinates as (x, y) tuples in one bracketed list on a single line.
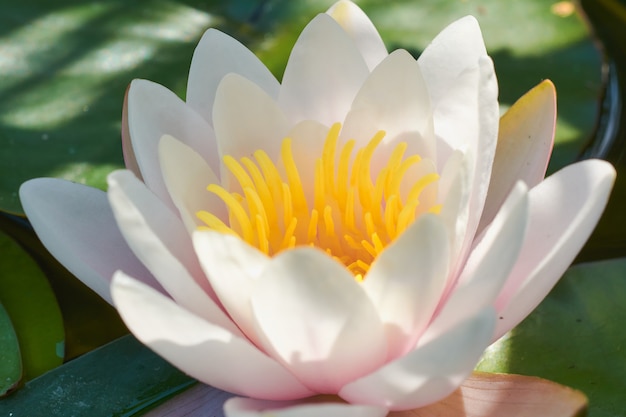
[(364, 229)]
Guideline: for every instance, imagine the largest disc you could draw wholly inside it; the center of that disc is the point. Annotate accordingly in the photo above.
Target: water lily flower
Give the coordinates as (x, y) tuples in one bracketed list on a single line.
[(364, 229)]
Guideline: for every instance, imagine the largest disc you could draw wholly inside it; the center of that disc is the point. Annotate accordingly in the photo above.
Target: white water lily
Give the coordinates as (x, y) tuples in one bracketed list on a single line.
[(364, 229)]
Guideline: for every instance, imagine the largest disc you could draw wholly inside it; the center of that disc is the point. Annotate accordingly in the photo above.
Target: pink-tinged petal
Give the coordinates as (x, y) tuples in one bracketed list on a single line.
[(187, 175), (456, 48), (428, 373), (564, 210), (159, 239), (248, 407), (216, 55), (500, 395), (454, 194), (246, 119), (488, 266), (317, 320), (76, 224), (207, 352), (127, 147), (362, 31), (154, 111), (473, 107), (323, 75), (393, 98), (232, 266), (489, 119), (525, 142), (406, 280)]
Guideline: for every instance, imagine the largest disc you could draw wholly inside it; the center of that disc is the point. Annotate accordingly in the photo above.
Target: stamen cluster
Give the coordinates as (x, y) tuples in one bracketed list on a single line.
[(346, 213)]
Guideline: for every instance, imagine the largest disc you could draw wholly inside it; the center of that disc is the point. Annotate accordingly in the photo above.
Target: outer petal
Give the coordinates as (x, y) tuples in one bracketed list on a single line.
[(160, 241), (456, 48), (428, 373), (564, 210), (525, 142), (76, 224), (394, 98), (154, 111), (232, 267), (216, 55), (488, 266), (454, 194), (324, 73), (473, 107), (187, 176), (317, 320), (406, 281), (205, 351), (246, 120), (248, 407), (361, 29)]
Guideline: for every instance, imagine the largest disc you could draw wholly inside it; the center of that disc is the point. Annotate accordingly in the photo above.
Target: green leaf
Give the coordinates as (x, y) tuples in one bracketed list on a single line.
[(118, 379), (575, 337), (10, 359), (89, 321), (65, 66), (32, 308)]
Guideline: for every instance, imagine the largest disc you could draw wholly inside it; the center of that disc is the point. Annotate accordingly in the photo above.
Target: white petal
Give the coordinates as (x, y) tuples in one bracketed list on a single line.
[(216, 55), (203, 350), (324, 73), (393, 98), (564, 210), (159, 239), (406, 280), (76, 224), (317, 320), (246, 119), (187, 176), (428, 373), (454, 195), (154, 111), (456, 48), (525, 142), (232, 267), (248, 407), (468, 119), (488, 266), (361, 29)]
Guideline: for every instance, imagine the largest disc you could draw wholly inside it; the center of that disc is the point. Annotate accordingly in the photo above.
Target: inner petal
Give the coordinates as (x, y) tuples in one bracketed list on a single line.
[(354, 214)]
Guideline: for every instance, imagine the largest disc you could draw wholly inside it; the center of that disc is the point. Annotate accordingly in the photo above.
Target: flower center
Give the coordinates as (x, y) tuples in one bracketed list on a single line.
[(348, 212)]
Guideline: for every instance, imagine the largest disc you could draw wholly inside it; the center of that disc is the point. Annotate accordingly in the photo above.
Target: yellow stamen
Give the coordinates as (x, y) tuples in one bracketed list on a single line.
[(351, 215)]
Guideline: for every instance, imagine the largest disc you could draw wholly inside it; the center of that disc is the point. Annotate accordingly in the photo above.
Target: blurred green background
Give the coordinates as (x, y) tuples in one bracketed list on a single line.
[(64, 68)]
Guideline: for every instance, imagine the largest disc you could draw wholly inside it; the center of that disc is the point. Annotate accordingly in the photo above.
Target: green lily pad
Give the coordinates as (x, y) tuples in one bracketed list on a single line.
[(10, 359), (32, 308), (65, 66), (575, 337), (118, 379)]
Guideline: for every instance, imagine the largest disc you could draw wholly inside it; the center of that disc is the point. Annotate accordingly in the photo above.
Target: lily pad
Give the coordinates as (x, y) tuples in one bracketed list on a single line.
[(88, 320), (575, 337), (10, 359), (32, 308), (65, 66), (118, 379)]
